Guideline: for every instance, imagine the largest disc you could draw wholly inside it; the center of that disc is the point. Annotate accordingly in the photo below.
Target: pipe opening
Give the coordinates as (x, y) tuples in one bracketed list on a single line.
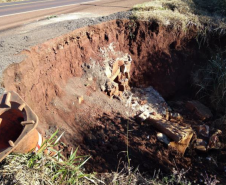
[(10, 127)]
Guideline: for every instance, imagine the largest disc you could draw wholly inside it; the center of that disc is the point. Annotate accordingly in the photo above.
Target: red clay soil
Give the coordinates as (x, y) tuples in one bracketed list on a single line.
[(50, 81)]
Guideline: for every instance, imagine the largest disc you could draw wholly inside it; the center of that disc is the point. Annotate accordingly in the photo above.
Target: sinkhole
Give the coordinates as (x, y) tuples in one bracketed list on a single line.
[(78, 83)]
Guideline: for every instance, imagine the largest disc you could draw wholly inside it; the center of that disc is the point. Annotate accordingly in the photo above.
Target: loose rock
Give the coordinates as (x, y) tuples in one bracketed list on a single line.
[(201, 111), (174, 131), (201, 145), (163, 138), (214, 142), (203, 130)]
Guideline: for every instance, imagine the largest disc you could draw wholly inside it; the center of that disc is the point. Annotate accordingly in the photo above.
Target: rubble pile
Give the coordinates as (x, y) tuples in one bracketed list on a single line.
[(118, 76), (148, 106), (201, 111), (146, 103)]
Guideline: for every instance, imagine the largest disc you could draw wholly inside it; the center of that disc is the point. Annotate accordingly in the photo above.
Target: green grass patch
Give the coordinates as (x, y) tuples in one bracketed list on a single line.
[(47, 166)]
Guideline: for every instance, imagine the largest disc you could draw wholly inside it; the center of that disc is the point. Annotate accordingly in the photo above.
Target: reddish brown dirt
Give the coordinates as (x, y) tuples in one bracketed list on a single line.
[(50, 80)]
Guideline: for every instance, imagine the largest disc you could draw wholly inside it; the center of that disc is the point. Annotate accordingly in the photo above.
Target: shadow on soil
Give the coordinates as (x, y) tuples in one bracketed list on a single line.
[(108, 145)]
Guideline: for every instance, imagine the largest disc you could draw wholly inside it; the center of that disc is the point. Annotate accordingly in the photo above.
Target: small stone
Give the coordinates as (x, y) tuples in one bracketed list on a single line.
[(214, 142), (176, 116), (200, 145), (102, 87), (163, 138), (80, 99), (203, 130), (201, 111), (60, 46), (143, 116)]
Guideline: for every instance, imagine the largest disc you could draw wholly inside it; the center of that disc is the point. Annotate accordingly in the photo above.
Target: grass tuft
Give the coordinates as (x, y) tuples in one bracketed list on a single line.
[(186, 15), (211, 81), (47, 166), (172, 13)]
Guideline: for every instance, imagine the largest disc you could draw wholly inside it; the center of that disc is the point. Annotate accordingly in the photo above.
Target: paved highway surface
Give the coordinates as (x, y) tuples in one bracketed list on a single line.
[(32, 5), (19, 13)]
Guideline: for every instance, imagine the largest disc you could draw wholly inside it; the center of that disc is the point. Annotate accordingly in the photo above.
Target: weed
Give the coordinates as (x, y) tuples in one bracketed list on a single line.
[(132, 25), (211, 81), (51, 17), (47, 166), (53, 168), (208, 180), (217, 7)]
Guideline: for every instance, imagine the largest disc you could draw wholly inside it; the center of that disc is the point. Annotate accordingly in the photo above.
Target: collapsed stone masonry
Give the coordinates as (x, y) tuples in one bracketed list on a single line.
[(118, 76)]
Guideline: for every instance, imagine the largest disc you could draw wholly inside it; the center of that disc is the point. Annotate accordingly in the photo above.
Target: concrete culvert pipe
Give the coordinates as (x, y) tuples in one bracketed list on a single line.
[(17, 126)]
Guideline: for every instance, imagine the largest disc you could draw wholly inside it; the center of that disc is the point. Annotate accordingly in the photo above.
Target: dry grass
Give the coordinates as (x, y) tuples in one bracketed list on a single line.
[(43, 168), (173, 13), (183, 14), (211, 81)]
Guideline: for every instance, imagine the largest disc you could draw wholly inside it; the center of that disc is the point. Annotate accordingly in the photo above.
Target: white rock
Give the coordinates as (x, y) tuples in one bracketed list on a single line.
[(163, 138)]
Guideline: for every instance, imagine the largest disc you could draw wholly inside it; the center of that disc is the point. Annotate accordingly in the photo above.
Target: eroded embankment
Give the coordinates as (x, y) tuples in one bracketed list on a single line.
[(54, 77)]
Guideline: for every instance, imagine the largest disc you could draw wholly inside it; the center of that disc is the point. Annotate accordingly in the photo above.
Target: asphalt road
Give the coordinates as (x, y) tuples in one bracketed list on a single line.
[(23, 12), (33, 5)]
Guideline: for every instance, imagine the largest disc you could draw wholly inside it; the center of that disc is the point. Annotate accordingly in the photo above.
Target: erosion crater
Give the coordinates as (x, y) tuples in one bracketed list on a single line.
[(61, 80)]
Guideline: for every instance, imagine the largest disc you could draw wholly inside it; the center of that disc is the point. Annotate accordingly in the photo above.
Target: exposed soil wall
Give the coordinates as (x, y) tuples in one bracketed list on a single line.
[(49, 80), (162, 58)]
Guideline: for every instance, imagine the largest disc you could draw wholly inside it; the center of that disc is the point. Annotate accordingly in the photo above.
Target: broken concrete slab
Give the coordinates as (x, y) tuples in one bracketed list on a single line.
[(183, 144), (201, 111), (174, 131), (107, 71), (116, 66), (125, 68), (117, 72), (113, 77), (154, 102), (143, 116)]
